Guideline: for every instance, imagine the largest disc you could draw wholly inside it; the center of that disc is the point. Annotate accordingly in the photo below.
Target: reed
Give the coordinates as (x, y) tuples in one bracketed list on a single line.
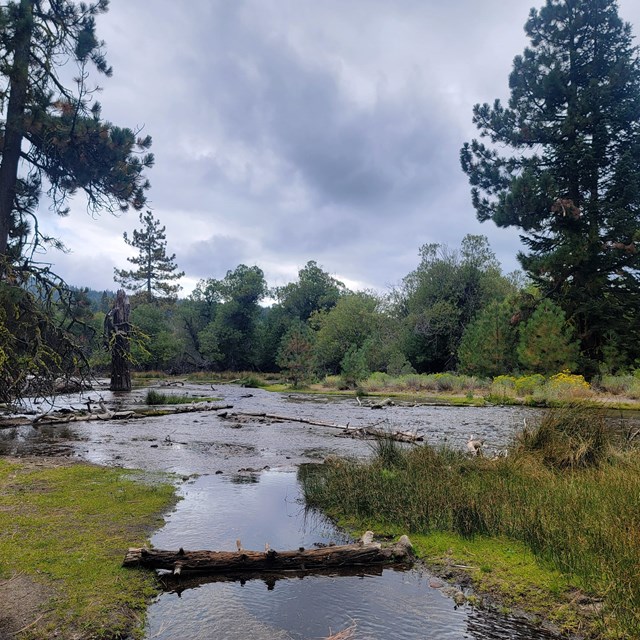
[(563, 490)]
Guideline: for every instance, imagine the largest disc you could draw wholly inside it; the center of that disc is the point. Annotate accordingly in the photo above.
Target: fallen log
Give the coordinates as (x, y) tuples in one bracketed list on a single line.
[(347, 430), (400, 436), (359, 554), (279, 418), (56, 418)]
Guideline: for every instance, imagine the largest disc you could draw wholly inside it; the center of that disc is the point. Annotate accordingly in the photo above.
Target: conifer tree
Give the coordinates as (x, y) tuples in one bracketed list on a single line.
[(546, 342), (561, 163), (52, 134), (155, 269), (488, 344)]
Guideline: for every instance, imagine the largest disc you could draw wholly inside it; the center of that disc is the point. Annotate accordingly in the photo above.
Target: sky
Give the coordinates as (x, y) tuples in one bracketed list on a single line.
[(293, 130)]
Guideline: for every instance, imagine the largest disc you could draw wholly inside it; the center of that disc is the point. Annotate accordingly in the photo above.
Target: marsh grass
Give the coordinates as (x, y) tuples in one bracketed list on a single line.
[(68, 529), (563, 493), (154, 397)]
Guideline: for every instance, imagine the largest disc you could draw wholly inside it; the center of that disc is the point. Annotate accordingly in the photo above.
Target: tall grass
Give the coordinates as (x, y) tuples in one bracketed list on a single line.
[(432, 382), (562, 491)]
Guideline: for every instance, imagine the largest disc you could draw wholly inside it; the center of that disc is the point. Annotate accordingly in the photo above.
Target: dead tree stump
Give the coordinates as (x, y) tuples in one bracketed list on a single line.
[(117, 335)]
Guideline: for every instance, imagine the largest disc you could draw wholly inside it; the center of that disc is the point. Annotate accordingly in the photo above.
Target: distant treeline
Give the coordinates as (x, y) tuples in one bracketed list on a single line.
[(455, 312)]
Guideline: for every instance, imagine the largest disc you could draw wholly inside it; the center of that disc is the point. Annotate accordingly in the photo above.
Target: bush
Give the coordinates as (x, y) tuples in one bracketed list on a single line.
[(567, 386), (528, 385), (156, 398), (561, 492)]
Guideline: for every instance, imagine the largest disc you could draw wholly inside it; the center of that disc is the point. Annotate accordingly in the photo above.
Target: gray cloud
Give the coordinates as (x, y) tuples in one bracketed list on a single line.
[(290, 130)]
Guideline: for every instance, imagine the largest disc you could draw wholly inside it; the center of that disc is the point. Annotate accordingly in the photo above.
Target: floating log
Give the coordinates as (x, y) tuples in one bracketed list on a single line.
[(350, 555)]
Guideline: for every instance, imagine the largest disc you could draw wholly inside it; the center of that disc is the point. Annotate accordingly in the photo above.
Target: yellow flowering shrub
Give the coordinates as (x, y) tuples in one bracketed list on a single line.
[(568, 385)]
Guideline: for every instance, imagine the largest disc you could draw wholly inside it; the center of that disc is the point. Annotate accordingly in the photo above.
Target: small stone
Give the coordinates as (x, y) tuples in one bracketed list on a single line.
[(434, 583)]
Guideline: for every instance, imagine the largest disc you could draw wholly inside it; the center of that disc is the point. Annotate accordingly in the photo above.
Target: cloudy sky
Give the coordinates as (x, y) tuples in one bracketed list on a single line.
[(293, 130)]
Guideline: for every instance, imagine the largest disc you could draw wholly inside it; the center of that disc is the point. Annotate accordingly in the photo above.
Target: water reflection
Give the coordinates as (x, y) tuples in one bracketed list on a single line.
[(382, 604)]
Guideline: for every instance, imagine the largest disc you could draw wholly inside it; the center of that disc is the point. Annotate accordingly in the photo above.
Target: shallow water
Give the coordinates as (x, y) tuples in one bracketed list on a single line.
[(204, 443), (218, 510), (246, 489)]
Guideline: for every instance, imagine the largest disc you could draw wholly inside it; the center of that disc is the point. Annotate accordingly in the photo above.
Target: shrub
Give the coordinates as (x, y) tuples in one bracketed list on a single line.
[(528, 385), (155, 398), (567, 385)]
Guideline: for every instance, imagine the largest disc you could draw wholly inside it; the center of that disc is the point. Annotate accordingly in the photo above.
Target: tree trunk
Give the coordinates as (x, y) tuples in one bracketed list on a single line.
[(358, 554), (118, 331), (14, 126)]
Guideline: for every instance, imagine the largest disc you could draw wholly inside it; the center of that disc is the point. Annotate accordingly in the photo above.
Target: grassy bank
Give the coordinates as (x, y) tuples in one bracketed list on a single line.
[(63, 534), (563, 494)]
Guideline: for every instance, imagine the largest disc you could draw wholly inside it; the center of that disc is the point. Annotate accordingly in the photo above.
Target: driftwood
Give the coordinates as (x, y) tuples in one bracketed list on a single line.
[(65, 416), (347, 430), (362, 553)]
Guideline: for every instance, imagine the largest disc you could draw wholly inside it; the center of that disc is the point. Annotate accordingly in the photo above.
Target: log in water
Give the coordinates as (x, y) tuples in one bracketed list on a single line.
[(359, 554)]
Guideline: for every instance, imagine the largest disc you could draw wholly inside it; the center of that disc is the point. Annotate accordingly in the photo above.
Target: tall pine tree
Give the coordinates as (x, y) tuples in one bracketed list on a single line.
[(572, 183), (155, 269)]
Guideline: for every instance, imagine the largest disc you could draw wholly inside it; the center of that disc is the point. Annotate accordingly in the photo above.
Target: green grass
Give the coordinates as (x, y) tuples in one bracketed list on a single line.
[(69, 528), (577, 513), (156, 397)]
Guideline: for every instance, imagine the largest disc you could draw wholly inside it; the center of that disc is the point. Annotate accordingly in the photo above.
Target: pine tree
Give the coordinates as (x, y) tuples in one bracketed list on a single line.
[(52, 134), (572, 183), (488, 344), (155, 270), (546, 342)]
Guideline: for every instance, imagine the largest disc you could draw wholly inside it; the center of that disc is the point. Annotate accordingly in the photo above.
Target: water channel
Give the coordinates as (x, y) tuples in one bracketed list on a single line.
[(238, 481)]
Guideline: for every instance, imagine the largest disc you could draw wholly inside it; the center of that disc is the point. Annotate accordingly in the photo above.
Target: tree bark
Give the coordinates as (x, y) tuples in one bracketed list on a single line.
[(118, 330), (358, 554), (14, 126)]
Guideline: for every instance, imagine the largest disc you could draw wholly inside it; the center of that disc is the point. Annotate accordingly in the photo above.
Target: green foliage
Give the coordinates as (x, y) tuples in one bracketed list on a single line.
[(561, 166), (441, 297), (353, 367), (56, 133), (155, 269), (154, 397), (528, 385), (42, 331), (488, 344), (546, 344), (156, 345), (314, 291), (348, 325), (228, 341), (295, 355)]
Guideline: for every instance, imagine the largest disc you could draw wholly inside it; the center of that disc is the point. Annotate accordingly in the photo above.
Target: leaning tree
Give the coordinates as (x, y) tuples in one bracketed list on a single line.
[(560, 163), (53, 140), (53, 136)]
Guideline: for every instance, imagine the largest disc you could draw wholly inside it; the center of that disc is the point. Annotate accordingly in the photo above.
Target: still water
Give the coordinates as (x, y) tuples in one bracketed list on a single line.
[(258, 508)]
